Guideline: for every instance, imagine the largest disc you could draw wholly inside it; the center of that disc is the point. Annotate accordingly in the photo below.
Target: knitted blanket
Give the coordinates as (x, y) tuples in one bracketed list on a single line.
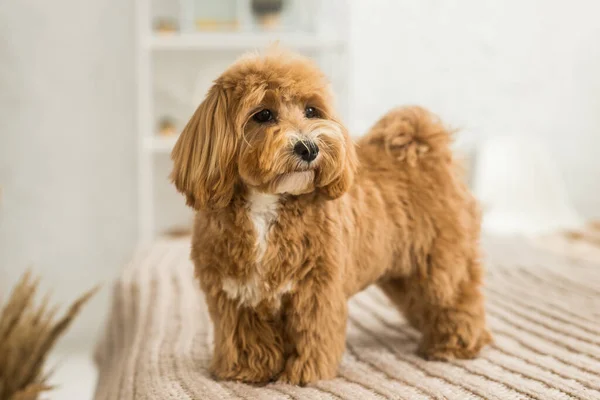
[(543, 309)]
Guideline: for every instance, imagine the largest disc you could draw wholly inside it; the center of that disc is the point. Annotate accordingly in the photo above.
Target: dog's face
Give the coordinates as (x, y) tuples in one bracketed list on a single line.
[(291, 144), (266, 124)]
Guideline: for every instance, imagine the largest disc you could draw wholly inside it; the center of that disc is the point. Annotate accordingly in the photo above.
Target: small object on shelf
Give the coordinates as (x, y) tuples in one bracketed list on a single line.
[(216, 15), (267, 12), (166, 26), (216, 25), (179, 232), (167, 127)]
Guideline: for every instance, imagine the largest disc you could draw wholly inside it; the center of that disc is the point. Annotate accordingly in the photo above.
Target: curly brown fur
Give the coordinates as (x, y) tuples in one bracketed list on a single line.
[(280, 244)]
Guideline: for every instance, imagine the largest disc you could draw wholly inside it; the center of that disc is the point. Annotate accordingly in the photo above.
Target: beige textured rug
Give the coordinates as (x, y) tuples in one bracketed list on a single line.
[(544, 311)]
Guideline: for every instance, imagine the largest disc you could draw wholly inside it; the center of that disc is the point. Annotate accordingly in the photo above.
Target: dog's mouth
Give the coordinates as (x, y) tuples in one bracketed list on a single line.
[(296, 182)]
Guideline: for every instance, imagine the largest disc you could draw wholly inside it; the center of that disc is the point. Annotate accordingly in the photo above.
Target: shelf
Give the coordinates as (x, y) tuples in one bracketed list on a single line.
[(160, 144), (240, 41)]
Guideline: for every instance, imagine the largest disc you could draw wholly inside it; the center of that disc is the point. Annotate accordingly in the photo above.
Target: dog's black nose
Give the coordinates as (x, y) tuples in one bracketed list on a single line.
[(306, 150)]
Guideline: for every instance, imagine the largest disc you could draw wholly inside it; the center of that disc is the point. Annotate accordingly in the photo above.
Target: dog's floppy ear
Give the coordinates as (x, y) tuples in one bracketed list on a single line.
[(342, 183), (204, 156)]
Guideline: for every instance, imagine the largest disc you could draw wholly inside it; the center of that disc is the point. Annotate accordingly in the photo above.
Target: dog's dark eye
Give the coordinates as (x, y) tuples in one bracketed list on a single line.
[(263, 116), (311, 112)]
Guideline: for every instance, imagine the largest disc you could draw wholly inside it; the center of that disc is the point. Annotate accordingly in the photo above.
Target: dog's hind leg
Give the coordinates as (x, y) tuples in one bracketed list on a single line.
[(448, 312), (396, 290)]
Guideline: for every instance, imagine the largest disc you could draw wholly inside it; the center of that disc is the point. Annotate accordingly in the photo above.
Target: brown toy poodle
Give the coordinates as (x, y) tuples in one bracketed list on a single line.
[(293, 218)]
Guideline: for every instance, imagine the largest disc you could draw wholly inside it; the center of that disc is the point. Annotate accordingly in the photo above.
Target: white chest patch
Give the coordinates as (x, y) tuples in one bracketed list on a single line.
[(253, 291), (248, 293), (262, 211)]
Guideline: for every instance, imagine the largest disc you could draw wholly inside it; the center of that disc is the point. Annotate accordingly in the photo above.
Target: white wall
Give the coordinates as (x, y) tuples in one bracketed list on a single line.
[(520, 67), (67, 144), (67, 149)]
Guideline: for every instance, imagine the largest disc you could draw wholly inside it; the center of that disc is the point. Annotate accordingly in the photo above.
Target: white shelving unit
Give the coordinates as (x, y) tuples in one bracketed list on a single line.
[(326, 42)]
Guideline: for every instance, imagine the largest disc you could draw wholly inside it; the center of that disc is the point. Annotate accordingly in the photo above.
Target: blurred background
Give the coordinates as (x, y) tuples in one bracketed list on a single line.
[(94, 93)]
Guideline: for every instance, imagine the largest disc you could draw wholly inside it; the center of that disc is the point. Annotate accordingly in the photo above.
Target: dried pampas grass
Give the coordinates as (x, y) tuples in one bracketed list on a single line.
[(27, 333)]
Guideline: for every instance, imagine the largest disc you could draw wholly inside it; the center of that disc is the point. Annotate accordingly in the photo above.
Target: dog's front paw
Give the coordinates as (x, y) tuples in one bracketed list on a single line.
[(258, 375), (460, 344), (300, 372), (249, 369)]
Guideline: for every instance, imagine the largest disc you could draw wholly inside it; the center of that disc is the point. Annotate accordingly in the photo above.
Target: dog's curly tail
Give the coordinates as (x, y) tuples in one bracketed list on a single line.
[(409, 133)]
